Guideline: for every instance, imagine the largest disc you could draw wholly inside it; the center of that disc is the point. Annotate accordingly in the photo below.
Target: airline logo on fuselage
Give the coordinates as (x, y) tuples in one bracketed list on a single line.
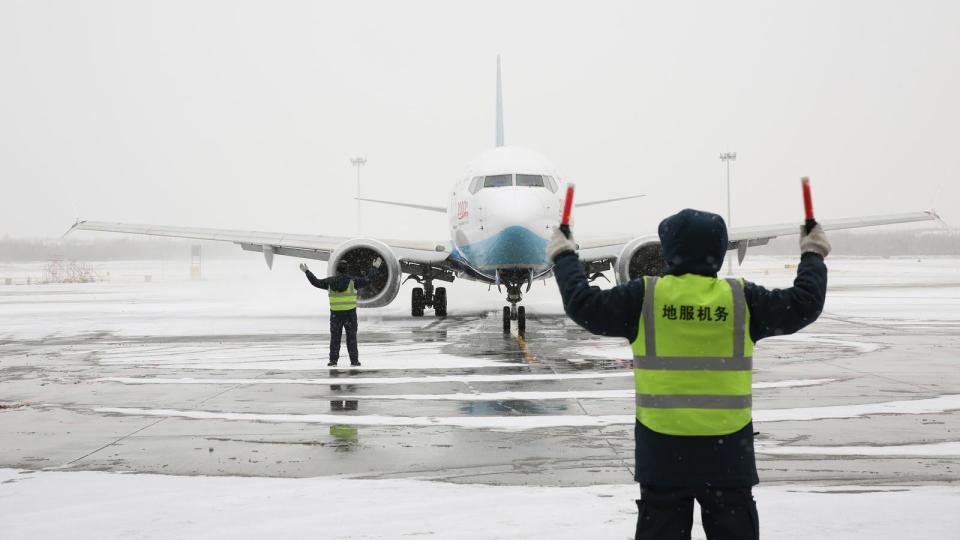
[(463, 212)]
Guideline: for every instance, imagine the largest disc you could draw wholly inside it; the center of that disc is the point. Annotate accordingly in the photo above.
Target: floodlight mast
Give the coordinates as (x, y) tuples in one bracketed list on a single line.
[(727, 157), (358, 162)]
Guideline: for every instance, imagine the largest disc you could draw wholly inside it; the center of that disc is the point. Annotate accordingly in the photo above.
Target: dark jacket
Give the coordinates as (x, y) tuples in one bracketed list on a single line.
[(693, 242), (339, 283)]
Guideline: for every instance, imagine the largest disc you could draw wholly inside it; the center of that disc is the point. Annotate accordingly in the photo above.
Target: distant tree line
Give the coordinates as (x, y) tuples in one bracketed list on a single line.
[(40, 249)]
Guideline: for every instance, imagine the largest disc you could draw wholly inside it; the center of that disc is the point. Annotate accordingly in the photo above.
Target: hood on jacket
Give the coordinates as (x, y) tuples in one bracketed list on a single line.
[(693, 242), (339, 283)]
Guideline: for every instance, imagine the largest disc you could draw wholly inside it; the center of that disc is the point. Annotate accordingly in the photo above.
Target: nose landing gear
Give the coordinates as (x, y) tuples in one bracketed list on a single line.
[(514, 312)]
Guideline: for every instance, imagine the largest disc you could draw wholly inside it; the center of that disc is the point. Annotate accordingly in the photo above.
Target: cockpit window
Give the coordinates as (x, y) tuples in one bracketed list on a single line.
[(551, 184), (475, 184), (498, 180), (530, 180), (522, 180)]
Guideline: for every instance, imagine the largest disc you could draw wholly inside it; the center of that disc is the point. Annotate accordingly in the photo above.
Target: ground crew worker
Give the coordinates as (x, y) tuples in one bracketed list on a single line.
[(692, 335), (342, 292)]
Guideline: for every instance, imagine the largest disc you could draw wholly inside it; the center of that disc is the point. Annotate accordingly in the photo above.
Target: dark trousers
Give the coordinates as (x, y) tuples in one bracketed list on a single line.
[(340, 321), (666, 513)]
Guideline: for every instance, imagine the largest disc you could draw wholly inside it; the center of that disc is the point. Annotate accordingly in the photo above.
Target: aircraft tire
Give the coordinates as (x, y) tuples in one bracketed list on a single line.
[(416, 302), (521, 320), (440, 302), (506, 319)]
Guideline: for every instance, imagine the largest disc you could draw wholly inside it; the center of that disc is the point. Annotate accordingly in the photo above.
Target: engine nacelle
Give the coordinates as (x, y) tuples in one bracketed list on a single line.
[(358, 255), (640, 257)]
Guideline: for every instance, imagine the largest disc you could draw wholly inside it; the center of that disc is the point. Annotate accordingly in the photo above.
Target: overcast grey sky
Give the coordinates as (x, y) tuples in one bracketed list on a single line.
[(245, 114)]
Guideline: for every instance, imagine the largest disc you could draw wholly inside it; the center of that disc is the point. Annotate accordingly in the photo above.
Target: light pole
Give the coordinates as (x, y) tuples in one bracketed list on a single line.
[(727, 157), (358, 162)]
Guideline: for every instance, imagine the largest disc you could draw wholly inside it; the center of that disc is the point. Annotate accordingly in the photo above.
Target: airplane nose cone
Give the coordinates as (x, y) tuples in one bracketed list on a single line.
[(519, 246), (515, 225), (517, 207)]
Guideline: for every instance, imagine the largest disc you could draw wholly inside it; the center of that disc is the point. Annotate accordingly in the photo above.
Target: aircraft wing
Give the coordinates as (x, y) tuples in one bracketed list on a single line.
[(743, 237), (306, 246)]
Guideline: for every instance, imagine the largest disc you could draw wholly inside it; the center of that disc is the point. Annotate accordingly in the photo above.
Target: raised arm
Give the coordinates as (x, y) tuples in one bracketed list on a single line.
[(785, 311), (318, 283), (612, 312), (367, 278)]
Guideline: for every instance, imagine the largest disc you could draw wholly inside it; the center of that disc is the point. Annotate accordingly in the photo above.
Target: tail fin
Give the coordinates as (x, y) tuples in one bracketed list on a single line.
[(499, 106)]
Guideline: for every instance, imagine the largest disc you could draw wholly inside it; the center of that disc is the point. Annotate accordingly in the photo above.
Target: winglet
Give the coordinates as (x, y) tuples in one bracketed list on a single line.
[(73, 227), (933, 213), (499, 106)]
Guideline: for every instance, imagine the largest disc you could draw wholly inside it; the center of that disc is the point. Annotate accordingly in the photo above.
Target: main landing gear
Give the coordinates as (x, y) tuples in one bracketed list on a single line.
[(426, 296), (513, 281)]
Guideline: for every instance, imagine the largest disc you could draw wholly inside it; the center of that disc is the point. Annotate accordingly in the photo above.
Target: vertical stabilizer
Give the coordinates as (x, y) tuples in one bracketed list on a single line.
[(499, 106)]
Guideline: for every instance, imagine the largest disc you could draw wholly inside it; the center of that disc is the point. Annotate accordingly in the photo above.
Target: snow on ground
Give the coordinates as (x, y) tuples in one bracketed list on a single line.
[(505, 423), (376, 380), (792, 383), (897, 292), (234, 294), (95, 505), (831, 340), (272, 356), (435, 379), (605, 349), (908, 406), (951, 448), (510, 423)]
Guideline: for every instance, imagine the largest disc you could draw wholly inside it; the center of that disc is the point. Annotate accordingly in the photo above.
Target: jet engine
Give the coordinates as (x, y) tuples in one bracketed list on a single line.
[(355, 257), (640, 257)]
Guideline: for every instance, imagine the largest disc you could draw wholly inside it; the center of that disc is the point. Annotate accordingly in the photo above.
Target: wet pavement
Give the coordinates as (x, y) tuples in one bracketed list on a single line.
[(449, 399)]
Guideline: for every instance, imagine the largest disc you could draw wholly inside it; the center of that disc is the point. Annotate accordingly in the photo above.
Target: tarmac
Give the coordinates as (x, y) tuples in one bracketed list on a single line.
[(180, 378)]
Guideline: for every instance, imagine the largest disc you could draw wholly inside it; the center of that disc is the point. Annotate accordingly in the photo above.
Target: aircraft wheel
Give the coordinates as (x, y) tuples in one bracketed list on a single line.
[(521, 320), (416, 302), (440, 302), (506, 319)]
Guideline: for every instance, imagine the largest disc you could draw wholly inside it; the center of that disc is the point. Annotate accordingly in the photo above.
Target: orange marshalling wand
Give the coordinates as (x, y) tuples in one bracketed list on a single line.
[(567, 209), (809, 221)]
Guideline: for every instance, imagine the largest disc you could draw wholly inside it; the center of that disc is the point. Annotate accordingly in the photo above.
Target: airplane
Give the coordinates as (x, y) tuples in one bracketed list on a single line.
[(501, 212)]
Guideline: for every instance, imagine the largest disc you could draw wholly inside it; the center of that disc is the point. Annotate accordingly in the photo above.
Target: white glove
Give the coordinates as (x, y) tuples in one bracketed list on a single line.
[(303, 267), (377, 262), (560, 244), (814, 242)]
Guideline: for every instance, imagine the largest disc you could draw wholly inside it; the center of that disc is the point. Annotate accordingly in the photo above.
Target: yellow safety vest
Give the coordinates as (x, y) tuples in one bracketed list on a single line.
[(693, 356), (343, 300)]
